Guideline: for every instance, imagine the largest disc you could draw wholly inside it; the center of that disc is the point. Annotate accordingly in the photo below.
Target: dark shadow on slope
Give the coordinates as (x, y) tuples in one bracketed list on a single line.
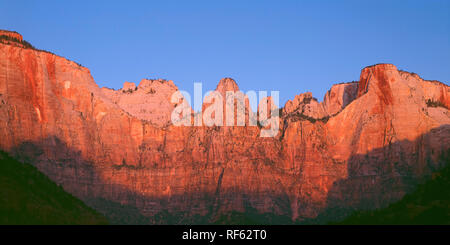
[(251, 216), (68, 169), (29, 197), (429, 204), (385, 175), (123, 206), (118, 214), (373, 182)]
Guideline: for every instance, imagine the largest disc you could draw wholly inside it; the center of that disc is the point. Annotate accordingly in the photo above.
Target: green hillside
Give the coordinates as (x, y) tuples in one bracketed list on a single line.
[(29, 197)]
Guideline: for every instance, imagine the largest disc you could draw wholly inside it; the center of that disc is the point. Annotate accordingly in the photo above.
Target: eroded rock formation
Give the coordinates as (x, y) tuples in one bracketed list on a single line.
[(365, 146)]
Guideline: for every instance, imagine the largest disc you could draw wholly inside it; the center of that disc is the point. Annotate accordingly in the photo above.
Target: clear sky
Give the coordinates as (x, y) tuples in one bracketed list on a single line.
[(290, 46)]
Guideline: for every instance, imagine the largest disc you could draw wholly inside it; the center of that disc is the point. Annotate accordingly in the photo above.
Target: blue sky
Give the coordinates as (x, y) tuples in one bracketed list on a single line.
[(290, 46)]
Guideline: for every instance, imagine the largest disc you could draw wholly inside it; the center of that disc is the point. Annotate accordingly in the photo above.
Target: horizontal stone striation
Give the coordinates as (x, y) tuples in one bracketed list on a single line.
[(116, 148)]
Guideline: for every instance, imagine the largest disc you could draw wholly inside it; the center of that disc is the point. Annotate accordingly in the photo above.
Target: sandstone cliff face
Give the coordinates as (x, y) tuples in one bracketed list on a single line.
[(150, 101), (306, 105), (339, 96), (365, 146)]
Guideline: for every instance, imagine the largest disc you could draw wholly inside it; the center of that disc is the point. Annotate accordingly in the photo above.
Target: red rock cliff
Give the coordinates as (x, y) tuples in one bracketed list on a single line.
[(365, 146)]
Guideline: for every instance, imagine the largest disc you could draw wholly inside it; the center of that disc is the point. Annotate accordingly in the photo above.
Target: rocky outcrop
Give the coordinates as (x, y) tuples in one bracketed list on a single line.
[(335, 100), (306, 105), (232, 101), (364, 147), (13, 38), (150, 101), (339, 96), (11, 34)]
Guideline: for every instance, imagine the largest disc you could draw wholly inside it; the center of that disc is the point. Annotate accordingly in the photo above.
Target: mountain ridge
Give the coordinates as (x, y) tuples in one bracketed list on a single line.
[(379, 135)]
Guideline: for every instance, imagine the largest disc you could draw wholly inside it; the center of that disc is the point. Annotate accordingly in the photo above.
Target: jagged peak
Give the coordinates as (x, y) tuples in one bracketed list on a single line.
[(305, 104), (303, 98), (227, 84)]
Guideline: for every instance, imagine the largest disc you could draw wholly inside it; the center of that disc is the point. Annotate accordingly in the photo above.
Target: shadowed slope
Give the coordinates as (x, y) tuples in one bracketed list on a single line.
[(380, 140), (428, 204), (30, 197)]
